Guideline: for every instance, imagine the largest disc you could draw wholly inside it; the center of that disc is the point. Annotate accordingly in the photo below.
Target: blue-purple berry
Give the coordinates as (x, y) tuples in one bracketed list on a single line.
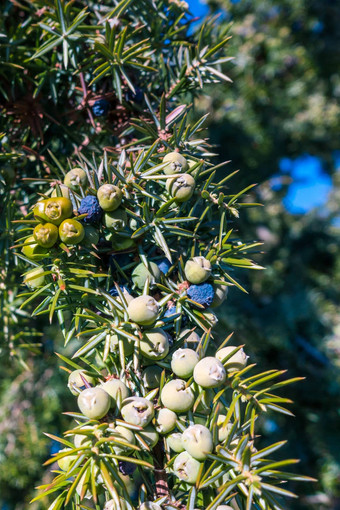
[(202, 294), (164, 265), (126, 468), (137, 97), (170, 311), (114, 293), (90, 206), (100, 107)]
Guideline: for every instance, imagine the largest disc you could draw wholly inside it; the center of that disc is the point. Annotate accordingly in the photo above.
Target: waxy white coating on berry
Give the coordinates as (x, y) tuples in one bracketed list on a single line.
[(197, 440), (197, 270), (209, 373), (237, 360), (165, 421), (154, 344), (94, 403), (115, 386), (143, 310), (174, 442), (176, 396), (137, 410), (183, 362), (186, 468)]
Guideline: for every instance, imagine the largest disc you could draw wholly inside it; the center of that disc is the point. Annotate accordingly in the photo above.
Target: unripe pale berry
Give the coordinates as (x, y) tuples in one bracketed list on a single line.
[(209, 373), (115, 386), (204, 405), (176, 163), (65, 462), (223, 429), (181, 188), (110, 197), (76, 179), (149, 435), (191, 340), (149, 505), (128, 344), (176, 397), (75, 382), (34, 278), (111, 505), (94, 403), (143, 310), (211, 318), (197, 270), (151, 376), (32, 250), (183, 362), (137, 411), (141, 273), (186, 468), (120, 243), (154, 344), (39, 210), (65, 191), (71, 232), (81, 440), (174, 442), (197, 440), (116, 220), (46, 235), (224, 507), (56, 210), (123, 434), (91, 235), (165, 421), (236, 362), (131, 483), (221, 292)]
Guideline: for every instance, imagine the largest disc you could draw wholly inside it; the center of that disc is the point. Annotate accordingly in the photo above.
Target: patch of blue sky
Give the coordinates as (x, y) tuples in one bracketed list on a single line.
[(198, 7), (310, 185), (336, 159)]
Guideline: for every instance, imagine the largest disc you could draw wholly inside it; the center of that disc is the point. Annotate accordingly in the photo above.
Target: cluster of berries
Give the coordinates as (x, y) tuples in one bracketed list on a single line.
[(55, 213), (175, 370), (56, 221), (141, 421)]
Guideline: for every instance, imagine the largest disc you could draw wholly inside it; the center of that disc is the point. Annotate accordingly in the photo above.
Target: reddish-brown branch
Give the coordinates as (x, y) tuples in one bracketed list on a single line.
[(161, 477)]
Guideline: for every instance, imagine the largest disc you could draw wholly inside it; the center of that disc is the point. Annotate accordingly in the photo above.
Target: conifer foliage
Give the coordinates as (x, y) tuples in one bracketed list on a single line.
[(130, 245)]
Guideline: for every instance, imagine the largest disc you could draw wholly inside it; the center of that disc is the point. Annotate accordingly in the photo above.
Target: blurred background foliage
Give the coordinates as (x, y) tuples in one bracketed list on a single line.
[(278, 123)]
